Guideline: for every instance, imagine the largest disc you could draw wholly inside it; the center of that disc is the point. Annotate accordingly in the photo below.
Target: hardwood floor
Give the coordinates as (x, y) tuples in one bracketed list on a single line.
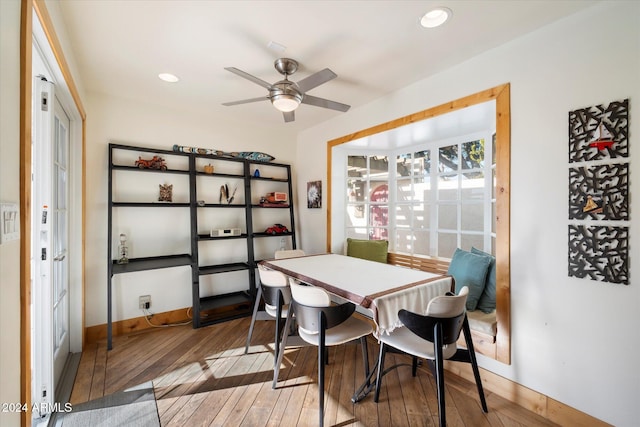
[(202, 377)]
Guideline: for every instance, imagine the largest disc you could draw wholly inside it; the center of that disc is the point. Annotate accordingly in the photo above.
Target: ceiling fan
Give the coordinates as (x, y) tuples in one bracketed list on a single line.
[(286, 95)]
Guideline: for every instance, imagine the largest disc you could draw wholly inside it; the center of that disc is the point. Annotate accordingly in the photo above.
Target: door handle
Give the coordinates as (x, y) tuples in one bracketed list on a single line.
[(60, 257)]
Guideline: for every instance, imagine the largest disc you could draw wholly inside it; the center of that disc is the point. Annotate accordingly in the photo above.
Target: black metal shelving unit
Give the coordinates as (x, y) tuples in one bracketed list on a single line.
[(208, 309)]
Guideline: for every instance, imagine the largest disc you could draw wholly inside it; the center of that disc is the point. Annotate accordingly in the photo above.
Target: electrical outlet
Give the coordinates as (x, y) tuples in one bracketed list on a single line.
[(144, 302)]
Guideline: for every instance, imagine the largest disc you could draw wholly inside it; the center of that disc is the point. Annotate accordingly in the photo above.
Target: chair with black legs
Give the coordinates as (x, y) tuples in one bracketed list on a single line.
[(433, 337), (276, 279), (323, 325)]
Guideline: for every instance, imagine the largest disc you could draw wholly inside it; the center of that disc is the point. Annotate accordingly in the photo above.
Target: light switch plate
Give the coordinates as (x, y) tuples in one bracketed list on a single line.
[(9, 222)]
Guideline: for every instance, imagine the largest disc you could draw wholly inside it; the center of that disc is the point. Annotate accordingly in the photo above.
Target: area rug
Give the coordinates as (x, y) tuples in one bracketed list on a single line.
[(134, 407)]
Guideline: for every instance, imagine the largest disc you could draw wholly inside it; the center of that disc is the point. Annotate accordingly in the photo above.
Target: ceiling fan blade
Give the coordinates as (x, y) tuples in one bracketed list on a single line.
[(289, 116), (249, 77), (325, 103), (316, 79), (245, 101)]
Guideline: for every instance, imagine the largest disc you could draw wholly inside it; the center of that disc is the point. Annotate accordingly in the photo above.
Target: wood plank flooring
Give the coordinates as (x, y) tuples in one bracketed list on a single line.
[(202, 377)]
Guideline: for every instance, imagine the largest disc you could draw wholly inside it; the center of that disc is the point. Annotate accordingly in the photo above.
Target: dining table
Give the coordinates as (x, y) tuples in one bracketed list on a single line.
[(381, 289)]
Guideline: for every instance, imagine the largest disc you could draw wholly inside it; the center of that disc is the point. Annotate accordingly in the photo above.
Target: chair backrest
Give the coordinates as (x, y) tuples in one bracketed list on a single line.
[(310, 301), (291, 253), (446, 312), (272, 283)]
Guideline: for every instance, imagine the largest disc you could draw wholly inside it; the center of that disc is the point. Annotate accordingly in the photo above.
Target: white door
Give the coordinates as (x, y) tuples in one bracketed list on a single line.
[(50, 287)]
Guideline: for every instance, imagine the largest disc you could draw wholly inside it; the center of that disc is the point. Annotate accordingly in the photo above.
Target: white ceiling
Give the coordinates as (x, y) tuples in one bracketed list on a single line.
[(375, 47)]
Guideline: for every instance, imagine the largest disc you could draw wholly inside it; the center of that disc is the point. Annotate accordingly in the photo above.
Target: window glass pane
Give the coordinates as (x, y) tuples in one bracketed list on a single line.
[(448, 158), (473, 154), (493, 149), (421, 243), (61, 188), (447, 244), (404, 240), (469, 240), (421, 216), (403, 166), (358, 233), (404, 213), (448, 187), (473, 186), (61, 146), (448, 217), (379, 192), (422, 163), (379, 215), (472, 217), (421, 189), (355, 190), (378, 169), (404, 191), (379, 234), (355, 215)]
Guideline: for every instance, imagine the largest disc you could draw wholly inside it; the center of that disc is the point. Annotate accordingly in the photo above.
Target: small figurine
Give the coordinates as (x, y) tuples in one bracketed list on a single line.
[(208, 168), (123, 250), (156, 162), (166, 193)]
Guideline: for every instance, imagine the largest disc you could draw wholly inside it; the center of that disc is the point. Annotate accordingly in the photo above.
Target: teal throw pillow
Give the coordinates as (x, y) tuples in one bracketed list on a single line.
[(487, 301), (373, 250), (469, 270)]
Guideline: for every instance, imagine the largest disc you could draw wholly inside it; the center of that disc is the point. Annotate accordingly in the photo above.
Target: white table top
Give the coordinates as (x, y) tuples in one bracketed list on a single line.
[(382, 288)]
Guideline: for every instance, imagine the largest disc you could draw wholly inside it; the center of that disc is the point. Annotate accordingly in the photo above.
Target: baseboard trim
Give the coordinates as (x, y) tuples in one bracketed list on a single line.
[(531, 400)]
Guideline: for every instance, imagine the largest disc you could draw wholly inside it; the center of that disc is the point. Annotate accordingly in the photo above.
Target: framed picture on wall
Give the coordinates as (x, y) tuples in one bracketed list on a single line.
[(314, 194)]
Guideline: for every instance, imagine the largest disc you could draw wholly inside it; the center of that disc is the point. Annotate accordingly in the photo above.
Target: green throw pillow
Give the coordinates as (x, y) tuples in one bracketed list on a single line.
[(469, 270), (373, 250), (487, 301)]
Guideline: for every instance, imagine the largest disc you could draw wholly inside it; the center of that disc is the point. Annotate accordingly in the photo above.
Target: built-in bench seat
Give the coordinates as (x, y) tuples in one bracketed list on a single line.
[(483, 325)]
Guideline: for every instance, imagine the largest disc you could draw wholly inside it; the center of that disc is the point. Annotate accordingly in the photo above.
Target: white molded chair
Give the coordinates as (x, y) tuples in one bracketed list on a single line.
[(433, 337), (271, 279), (289, 253), (322, 324)]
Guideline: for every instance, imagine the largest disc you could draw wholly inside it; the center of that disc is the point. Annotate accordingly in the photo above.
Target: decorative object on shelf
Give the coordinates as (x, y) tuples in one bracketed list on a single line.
[(208, 168), (123, 250), (256, 173), (276, 229), (274, 200), (314, 194), (166, 193), (249, 155), (224, 232), (224, 194), (156, 162), (599, 190)]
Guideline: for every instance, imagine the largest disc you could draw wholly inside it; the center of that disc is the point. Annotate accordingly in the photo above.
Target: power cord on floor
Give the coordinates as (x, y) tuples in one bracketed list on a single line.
[(148, 315)]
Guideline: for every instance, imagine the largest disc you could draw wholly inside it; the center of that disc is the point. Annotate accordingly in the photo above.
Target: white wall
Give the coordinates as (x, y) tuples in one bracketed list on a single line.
[(10, 192), (574, 340), (119, 120)]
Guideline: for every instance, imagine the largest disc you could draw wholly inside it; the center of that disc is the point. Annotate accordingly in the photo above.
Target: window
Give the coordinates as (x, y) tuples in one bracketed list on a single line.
[(438, 198)]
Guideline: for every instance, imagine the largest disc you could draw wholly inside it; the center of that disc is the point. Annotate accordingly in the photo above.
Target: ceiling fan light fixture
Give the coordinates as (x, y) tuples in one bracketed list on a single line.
[(286, 102), (436, 17)]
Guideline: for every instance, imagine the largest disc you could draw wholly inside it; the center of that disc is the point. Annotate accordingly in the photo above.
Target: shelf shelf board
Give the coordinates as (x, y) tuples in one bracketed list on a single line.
[(267, 178), (226, 300), (220, 175), (137, 169), (205, 237), (151, 263), (271, 206), (223, 268), (221, 205), (289, 233), (151, 204)]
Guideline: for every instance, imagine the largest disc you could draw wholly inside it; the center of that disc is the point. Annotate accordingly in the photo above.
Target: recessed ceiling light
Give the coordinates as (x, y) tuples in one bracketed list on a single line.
[(436, 17), (167, 77)]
